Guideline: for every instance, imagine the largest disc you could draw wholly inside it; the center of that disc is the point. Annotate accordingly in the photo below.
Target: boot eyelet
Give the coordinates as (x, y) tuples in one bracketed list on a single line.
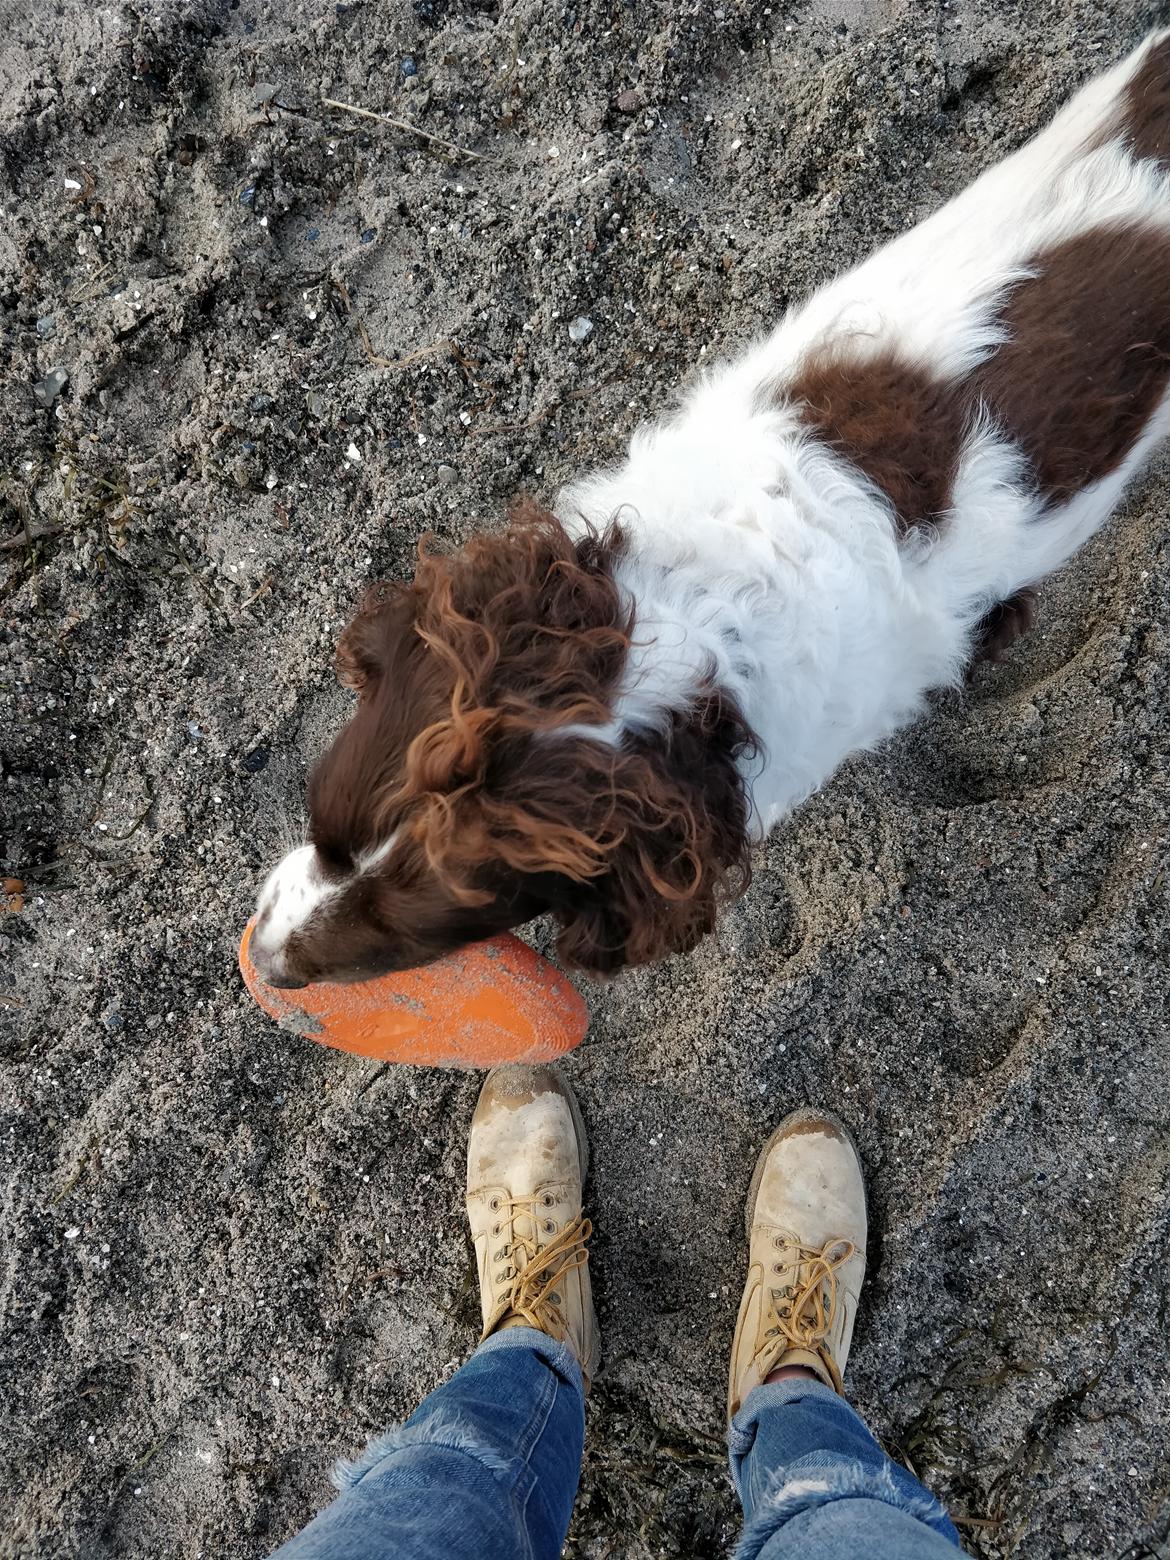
[(495, 1229), (549, 1227), (548, 1200), (494, 1204), (776, 1268)]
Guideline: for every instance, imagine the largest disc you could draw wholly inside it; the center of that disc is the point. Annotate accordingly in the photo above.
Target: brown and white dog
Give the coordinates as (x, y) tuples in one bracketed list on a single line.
[(595, 713)]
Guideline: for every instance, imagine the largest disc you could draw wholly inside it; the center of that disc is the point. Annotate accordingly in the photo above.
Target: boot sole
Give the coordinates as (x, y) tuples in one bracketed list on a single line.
[(578, 1122), (591, 1365), (805, 1113)]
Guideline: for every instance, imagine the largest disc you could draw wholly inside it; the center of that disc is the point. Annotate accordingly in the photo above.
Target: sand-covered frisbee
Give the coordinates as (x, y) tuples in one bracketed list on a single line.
[(492, 1002)]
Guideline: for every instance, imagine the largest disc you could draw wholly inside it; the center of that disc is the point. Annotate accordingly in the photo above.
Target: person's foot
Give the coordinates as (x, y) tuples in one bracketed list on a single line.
[(806, 1230), (527, 1156)]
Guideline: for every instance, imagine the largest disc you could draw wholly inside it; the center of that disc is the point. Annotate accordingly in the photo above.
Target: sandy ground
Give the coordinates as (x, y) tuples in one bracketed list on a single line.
[(227, 1255)]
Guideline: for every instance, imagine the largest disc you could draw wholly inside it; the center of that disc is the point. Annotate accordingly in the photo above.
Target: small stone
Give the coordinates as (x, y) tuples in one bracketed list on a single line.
[(260, 403), (629, 102), (194, 731), (316, 404), (408, 67), (447, 475), (580, 329), (312, 235), (255, 761), (248, 195), (46, 325), (72, 1232), (353, 455), (50, 387), (263, 92), (113, 1020), (369, 235)]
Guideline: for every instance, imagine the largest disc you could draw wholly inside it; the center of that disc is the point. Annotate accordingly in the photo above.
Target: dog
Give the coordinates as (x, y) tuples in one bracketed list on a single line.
[(596, 711)]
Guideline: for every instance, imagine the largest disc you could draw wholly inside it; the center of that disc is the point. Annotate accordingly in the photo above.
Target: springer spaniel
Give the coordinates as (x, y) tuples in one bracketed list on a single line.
[(595, 712)]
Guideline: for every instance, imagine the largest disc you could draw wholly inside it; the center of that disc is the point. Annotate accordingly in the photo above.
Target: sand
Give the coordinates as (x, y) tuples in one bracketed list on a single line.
[(294, 340)]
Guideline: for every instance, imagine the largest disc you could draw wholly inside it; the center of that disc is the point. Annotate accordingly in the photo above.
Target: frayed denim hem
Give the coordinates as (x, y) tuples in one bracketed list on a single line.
[(557, 1356), (741, 1433), (789, 1497), (438, 1430), (448, 1430)]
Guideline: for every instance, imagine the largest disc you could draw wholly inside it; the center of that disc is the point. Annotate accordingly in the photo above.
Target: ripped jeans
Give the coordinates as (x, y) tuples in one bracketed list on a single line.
[(486, 1468)]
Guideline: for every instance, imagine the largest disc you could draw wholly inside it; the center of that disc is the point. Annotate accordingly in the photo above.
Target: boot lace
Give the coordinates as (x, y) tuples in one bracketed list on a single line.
[(535, 1271), (801, 1313)]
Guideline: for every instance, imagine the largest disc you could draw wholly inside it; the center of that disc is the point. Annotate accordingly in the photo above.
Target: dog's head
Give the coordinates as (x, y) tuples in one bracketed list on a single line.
[(483, 779)]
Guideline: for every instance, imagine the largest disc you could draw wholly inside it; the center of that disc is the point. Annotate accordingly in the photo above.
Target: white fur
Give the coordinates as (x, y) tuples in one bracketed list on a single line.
[(295, 890), (759, 557)]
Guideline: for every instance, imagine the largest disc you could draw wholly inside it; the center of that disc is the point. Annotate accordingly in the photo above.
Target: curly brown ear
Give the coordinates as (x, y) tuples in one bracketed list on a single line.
[(361, 654), (680, 818)]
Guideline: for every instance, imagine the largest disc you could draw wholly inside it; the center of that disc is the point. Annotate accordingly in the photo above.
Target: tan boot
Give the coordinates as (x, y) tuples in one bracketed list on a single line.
[(527, 1156), (806, 1228)]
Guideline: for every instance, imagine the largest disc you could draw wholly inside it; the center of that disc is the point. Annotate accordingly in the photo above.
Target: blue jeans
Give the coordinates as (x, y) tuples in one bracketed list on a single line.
[(486, 1468)]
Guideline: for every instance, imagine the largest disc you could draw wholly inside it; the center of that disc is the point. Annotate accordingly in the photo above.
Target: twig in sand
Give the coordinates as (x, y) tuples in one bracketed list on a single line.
[(15, 543), (265, 586), (83, 1165), (19, 501), (446, 346), (135, 826), (152, 1452), (405, 125), (437, 348), (537, 417), (101, 787)]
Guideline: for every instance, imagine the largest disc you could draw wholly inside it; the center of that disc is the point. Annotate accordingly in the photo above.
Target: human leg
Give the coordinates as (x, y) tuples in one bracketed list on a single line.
[(810, 1476), (487, 1466)]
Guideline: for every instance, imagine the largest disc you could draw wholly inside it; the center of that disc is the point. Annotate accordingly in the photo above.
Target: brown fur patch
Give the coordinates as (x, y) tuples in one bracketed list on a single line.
[(896, 423), (1088, 355), (1145, 114), (1086, 362)]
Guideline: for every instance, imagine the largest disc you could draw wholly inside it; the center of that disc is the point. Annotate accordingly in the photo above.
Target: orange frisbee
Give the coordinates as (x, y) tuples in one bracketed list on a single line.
[(492, 1002)]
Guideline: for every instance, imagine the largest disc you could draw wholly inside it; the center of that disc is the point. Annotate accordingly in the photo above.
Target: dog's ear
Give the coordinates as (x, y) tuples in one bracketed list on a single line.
[(368, 642), (632, 848), (685, 846), (679, 824), (626, 919)]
